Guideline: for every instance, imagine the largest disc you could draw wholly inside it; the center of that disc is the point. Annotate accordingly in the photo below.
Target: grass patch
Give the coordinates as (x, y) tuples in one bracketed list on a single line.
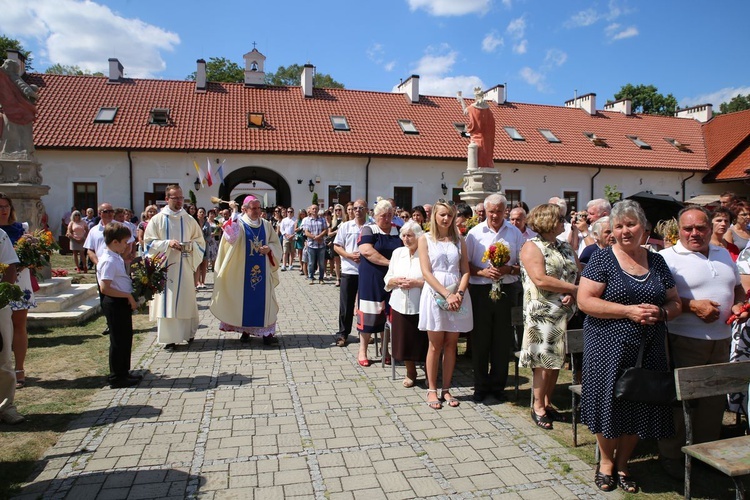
[(65, 367)]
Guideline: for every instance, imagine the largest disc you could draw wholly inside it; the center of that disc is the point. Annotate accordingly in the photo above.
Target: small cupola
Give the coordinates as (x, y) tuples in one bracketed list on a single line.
[(255, 73)]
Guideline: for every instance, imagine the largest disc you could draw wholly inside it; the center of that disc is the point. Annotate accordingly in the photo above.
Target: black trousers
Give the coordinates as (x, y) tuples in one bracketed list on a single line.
[(120, 322), (492, 337), (347, 297)]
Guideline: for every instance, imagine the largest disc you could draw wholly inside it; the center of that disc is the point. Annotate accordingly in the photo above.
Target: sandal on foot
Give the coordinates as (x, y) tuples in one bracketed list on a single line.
[(627, 483), (555, 415), (20, 384), (449, 399), (542, 421), (435, 405), (605, 482)]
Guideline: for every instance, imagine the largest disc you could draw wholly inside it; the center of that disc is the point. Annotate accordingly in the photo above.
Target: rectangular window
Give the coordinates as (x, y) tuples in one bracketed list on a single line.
[(461, 129), (549, 135), (85, 196), (514, 133), (159, 116), (256, 120), (513, 196), (638, 142), (105, 115), (343, 196), (571, 198), (598, 141), (339, 123), (403, 197), (679, 145), (408, 127)]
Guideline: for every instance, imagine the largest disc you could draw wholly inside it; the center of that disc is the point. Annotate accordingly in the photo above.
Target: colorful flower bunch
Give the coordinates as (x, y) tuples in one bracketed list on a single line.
[(669, 230), (34, 250), (149, 275), (59, 273), (8, 291), (471, 222), (498, 254)]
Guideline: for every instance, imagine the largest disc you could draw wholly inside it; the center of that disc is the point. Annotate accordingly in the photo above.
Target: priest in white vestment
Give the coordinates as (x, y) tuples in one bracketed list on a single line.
[(177, 234), (246, 274)]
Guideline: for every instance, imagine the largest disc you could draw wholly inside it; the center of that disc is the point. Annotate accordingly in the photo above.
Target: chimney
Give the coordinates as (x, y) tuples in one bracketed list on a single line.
[(624, 106), (307, 80), (586, 102), (701, 112), (496, 93), (200, 76), (15, 55), (411, 88), (115, 70)]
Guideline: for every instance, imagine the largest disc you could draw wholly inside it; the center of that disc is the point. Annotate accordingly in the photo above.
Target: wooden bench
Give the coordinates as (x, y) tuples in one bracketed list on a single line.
[(730, 456)]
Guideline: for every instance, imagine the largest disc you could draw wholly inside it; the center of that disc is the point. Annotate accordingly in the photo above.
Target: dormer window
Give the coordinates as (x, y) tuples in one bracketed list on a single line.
[(679, 145), (461, 129), (159, 116), (638, 142), (598, 141), (256, 120), (549, 135), (408, 127), (339, 123), (105, 115), (514, 134)]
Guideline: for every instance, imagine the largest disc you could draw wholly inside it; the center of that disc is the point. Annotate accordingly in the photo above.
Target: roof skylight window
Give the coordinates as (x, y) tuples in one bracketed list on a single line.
[(549, 135), (639, 142), (514, 134), (408, 127), (159, 116), (679, 145), (339, 123), (598, 141), (105, 115), (256, 120), (461, 129)]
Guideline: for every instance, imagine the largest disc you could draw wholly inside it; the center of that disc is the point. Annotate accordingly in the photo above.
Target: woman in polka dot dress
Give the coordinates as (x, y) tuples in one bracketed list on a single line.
[(628, 293)]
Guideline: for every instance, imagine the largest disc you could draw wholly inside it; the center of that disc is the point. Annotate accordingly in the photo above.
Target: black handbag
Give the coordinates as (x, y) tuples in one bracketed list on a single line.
[(641, 384)]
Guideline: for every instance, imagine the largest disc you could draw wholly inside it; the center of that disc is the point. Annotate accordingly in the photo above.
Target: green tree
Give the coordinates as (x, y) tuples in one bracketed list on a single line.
[(647, 99), (738, 103), (69, 69), (11, 44), (291, 75), (220, 69)]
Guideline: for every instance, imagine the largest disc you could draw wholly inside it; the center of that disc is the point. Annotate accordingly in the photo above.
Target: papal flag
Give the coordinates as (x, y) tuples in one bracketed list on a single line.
[(200, 172)]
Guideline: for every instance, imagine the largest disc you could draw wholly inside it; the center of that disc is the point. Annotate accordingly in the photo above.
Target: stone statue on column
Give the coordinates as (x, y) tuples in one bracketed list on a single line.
[(481, 178)]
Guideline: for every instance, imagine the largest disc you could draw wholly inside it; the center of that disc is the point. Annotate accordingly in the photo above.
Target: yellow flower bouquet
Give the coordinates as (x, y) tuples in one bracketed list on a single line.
[(498, 254), (149, 275)]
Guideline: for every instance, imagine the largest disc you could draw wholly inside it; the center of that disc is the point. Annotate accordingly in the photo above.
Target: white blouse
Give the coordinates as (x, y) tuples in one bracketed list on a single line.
[(404, 265)]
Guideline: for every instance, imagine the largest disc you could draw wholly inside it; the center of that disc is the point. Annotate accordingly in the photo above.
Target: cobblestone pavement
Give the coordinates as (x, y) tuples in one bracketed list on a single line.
[(222, 419)]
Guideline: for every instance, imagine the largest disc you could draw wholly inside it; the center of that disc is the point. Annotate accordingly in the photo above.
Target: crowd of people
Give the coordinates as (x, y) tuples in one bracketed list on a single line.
[(433, 273)]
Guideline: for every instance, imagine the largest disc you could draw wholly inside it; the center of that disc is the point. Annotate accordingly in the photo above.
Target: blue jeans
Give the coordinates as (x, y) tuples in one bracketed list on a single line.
[(316, 257)]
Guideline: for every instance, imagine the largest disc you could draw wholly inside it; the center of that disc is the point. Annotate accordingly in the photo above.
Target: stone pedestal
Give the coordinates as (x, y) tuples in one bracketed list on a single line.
[(479, 183), (20, 179)]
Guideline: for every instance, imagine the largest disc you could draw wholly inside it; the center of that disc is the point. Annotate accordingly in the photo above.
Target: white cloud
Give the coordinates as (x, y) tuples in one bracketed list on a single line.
[(507, 3), (520, 47), (554, 59), (450, 7), (434, 70), (583, 18), (534, 78), (716, 98), (516, 28), (389, 66), (376, 53), (491, 42), (86, 34), (538, 78), (618, 34)]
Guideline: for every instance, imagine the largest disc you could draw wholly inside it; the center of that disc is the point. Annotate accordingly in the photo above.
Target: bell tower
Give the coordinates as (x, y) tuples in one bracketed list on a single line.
[(254, 68)]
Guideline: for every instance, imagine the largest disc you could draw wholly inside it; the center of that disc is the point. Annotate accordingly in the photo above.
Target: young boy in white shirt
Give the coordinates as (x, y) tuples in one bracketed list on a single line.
[(118, 304)]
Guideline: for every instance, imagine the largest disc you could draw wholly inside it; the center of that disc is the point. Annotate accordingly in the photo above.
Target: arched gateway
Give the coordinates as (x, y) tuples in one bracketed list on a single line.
[(262, 174)]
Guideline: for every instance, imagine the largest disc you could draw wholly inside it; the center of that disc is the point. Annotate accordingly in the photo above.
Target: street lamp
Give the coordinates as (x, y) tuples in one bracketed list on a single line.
[(444, 188), (338, 189), (311, 186), (197, 184)]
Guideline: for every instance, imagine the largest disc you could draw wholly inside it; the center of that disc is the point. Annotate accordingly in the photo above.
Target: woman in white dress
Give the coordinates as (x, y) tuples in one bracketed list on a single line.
[(445, 267)]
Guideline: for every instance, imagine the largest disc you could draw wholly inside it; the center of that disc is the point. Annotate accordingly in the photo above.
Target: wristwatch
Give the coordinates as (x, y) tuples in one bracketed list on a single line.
[(461, 293)]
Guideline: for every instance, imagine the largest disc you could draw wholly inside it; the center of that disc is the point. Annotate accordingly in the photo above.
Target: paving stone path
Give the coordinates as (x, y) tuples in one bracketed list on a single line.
[(222, 419)]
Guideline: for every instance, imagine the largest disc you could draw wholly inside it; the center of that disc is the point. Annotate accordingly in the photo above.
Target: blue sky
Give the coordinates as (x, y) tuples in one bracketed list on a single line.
[(543, 50)]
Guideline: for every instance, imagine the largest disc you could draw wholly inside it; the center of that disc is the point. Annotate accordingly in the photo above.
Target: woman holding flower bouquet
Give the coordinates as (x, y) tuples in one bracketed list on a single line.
[(445, 305), (549, 270), (21, 307)]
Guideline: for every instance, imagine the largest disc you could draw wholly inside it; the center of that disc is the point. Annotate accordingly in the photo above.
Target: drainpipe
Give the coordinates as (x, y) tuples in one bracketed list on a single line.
[(683, 185), (367, 179), (130, 180), (592, 182)]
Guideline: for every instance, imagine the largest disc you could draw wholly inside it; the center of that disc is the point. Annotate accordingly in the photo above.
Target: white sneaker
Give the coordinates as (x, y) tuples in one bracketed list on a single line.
[(11, 416)]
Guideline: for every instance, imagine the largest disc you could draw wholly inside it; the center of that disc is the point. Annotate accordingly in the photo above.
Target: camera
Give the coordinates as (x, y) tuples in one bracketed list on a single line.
[(582, 216)]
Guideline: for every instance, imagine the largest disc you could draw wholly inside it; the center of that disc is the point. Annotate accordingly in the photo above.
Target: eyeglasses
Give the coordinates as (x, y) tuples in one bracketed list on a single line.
[(359, 208), (177, 198), (106, 211), (450, 203), (290, 211), (338, 210)]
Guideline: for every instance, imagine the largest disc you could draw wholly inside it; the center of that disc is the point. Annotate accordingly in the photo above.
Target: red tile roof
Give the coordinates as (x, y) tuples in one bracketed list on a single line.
[(728, 145), (216, 121)]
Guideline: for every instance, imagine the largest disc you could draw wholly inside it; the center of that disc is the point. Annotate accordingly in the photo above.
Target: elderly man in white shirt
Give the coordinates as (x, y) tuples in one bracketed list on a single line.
[(287, 228), (345, 244), (492, 337)]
